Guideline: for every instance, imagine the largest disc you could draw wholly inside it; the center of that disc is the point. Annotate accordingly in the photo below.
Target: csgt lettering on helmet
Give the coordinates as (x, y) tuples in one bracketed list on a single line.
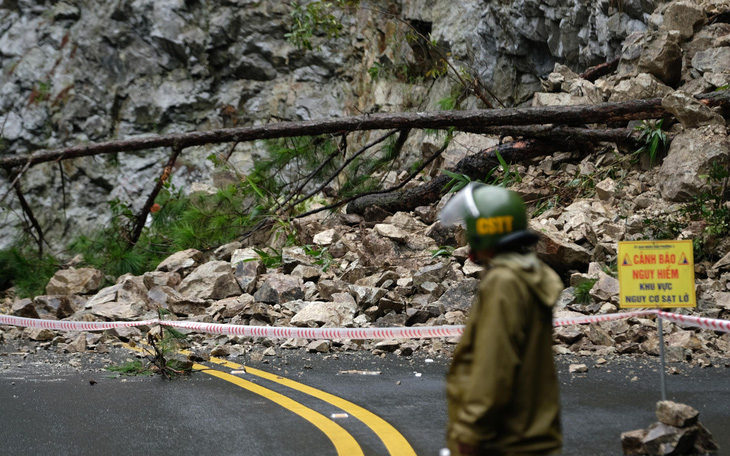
[(494, 225)]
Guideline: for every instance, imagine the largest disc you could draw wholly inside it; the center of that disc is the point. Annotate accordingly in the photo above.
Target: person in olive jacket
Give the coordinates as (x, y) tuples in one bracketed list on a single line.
[(502, 386)]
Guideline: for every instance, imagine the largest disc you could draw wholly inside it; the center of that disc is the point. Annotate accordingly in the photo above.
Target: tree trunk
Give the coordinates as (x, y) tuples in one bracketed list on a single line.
[(461, 120), (475, 166)]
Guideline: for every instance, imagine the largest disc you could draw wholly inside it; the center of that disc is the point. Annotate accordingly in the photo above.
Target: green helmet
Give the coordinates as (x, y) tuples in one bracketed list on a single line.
[(495, 217)]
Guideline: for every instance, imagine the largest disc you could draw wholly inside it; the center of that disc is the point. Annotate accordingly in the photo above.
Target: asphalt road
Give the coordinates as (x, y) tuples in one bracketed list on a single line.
[(48, 408)]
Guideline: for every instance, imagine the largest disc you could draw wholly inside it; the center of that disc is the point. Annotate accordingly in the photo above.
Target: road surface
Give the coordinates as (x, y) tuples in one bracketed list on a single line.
[(314, 404)]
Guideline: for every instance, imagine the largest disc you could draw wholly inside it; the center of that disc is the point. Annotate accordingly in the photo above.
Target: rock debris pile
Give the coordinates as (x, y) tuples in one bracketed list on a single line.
[(405, 269), (678, 432), (377, 274)]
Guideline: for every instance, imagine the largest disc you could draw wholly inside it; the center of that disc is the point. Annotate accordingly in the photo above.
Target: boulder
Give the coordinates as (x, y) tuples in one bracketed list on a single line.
[(307, 273), (159, 278), (690, 156), (712, 60), (225, 252), (367, 296), (212, 280), (689, 111), (391, 232), (279, 288), (460, 295), (685, 17), (24, 308), (247, 273), (176, 302), (559, 254), (606, 288), (431, 273), (662, 57), (40, 334), (641, 86), (244, 255), (326, 238), (75, 281), (124, 301), (181, 262), (59, 306), (291, 257), (333, 314), (676, 414), (632, 442)]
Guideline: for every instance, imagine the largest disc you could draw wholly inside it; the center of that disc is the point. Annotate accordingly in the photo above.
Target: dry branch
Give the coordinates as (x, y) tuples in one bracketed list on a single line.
[(475, 166), (556, 115), (559, 133), (40, 239), (142, 216), (593, 73), (461, 120)]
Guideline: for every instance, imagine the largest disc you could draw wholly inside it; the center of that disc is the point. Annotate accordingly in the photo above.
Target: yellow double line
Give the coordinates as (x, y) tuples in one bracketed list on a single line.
[(344, 443)]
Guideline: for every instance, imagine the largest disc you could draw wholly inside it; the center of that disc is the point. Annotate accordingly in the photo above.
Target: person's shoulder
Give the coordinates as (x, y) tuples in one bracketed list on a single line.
[(498, 274)]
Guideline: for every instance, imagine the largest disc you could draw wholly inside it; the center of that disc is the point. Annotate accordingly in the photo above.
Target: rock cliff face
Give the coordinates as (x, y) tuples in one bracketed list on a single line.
[(77, 71)]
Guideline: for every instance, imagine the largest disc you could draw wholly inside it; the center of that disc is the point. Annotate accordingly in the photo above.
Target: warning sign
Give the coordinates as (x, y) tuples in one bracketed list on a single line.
[(656, 274)]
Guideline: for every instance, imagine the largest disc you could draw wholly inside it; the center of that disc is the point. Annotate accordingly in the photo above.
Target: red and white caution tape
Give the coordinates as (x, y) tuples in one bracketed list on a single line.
[(600, 318), (698, 322), (66, 325), (413, 332)]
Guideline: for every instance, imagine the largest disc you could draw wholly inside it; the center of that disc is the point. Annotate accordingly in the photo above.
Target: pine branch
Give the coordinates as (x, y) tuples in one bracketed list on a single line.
[(29, 213), (142, 216), (339, 170), (554, 115)]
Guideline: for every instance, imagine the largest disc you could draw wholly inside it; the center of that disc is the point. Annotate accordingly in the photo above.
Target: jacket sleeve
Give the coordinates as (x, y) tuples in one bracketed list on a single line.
[(498, 336)]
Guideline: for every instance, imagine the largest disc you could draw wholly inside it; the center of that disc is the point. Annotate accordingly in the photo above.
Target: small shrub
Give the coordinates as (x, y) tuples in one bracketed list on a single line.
[(136, 367), (443, 251), (23, 269), (582, 291), (653, 137)]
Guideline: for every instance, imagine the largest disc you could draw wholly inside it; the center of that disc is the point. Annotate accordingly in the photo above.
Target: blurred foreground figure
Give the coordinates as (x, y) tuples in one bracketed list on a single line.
[(502, 387)]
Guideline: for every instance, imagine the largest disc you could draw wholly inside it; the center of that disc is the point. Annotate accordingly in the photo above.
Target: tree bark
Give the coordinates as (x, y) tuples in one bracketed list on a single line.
[(475, 166), (558, 133), (593, 73), (461, 120)]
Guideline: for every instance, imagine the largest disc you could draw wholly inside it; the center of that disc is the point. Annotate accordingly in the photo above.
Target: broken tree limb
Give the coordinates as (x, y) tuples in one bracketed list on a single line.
[(475, 166), (142, 216), (341, 168), (559, 133), (40, 239), (409, 178), (593, 73), (556, 115)]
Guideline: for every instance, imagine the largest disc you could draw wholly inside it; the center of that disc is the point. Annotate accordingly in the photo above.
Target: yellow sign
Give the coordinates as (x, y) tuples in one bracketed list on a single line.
[(656, 274)]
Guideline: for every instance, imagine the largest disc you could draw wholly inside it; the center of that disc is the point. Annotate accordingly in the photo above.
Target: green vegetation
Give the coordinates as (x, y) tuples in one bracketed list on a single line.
[(582, 291), (22, 268), (182, 222), (164, 342), (653, 137), (41, 92), (443, 251), (503, 175), (708, 210), (136, 367), (315, 18), (273, 191), (321, 255)]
